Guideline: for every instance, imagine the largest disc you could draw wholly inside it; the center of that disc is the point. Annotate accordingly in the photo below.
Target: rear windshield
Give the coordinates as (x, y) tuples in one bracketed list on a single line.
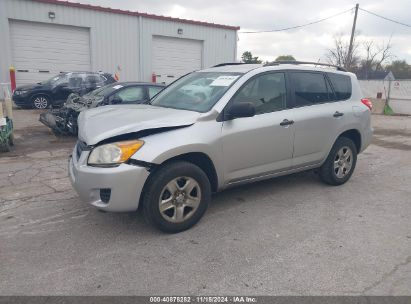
[(341, 84)]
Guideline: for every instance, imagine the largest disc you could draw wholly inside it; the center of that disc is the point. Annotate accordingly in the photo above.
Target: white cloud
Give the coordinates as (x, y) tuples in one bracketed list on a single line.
[(177, 11), (308, 43)]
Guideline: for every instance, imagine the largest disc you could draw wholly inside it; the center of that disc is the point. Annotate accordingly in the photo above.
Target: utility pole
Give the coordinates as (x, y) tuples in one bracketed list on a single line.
[(349, 55)]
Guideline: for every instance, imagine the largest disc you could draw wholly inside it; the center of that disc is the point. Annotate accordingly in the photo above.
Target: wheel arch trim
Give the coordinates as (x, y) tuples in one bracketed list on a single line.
[(200, 159)]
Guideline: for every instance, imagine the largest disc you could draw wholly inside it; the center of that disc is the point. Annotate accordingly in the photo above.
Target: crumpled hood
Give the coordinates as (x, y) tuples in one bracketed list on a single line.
[(101, 123), (80, 103)]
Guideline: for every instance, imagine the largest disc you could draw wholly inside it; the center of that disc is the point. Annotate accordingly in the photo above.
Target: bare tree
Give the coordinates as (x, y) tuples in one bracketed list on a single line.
[(339, 55), (368, 63), (385, 53), (375, 57)]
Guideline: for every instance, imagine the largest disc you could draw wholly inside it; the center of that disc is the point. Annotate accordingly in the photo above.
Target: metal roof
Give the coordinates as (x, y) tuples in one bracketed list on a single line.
[(131, 13)]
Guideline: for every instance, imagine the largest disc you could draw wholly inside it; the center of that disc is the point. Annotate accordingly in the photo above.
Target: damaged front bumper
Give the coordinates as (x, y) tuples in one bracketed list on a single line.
[(116, 189), (61, 121)]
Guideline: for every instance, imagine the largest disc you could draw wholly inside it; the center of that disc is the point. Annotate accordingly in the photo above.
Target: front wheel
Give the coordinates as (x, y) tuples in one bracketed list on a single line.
[(340, 163), (41, 102), (176, 196)]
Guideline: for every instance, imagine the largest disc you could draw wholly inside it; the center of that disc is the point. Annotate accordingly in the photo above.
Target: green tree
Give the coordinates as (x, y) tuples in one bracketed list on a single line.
[(247, 57), (400, 68), (285, 58)]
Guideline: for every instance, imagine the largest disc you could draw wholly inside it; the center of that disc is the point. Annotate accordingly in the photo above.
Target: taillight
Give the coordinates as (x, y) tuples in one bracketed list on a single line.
[(367, 102)]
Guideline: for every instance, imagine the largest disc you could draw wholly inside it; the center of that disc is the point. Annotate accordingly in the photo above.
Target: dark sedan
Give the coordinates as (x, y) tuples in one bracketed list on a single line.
[(54, 92), (64, 121)]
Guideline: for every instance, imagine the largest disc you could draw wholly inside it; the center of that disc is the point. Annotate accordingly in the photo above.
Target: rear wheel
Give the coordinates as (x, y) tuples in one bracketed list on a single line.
[(41, 102), (176, 196), (340, 163)]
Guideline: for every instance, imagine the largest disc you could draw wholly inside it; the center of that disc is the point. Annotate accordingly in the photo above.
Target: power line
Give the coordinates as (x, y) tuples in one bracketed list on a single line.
[(385, 18), (297, 26)]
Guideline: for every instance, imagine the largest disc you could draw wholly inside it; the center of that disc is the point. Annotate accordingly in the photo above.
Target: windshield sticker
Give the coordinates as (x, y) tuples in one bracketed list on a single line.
[(119, 86), (223, 81)]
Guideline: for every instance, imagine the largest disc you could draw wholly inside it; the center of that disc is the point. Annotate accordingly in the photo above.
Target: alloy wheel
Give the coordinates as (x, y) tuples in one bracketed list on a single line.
[(179, 199), (343, 162), (40, 102)]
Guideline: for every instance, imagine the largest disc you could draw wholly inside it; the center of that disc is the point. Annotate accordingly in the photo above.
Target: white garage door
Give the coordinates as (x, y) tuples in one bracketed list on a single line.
[(174, 57), (40, 50)]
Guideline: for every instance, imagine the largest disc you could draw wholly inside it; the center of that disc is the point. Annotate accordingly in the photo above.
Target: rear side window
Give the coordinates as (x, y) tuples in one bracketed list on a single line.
[(92, 81), (128, 95), (310, 88), (341, 85)]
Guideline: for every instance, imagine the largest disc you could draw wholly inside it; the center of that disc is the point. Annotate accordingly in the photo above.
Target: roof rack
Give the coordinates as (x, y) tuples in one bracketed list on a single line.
[(339, 68), (228, 63)]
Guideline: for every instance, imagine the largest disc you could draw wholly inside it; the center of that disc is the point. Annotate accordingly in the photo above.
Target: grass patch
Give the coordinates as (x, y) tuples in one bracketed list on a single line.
[(388, 110)]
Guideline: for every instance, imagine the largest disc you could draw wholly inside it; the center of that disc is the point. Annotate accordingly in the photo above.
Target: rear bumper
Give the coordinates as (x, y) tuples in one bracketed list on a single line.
[(125, 183), (366, 138)]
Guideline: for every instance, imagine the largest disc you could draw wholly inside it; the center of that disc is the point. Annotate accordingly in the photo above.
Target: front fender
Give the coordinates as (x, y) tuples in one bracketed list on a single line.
[(161, 147)]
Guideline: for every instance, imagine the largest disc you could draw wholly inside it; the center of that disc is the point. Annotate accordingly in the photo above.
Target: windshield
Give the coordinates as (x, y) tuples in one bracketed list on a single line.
[(106, 90), (198, 91)]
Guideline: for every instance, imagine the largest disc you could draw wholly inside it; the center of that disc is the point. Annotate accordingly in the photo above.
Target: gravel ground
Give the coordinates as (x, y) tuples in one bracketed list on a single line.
[(286, 236)]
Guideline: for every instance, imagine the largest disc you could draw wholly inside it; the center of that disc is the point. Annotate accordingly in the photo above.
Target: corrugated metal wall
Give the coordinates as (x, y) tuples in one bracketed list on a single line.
[(219, 45), (115, 38), (110, 34)]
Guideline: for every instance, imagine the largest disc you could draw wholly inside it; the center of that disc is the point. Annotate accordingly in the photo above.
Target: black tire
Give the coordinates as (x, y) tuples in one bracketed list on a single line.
[(327, 171), (40, 102), (5, 146), (11, 140), (156, 186)]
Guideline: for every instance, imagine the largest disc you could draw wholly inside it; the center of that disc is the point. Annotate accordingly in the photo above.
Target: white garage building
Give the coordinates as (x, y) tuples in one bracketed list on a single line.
[(41, 38)]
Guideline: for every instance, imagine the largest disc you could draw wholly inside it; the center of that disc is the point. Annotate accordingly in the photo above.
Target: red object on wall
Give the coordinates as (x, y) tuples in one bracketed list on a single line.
[(12, 79), (153, 77)]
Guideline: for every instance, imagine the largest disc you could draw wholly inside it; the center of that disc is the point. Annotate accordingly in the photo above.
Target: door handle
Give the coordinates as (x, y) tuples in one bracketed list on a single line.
[(338, 114), (286, 122)]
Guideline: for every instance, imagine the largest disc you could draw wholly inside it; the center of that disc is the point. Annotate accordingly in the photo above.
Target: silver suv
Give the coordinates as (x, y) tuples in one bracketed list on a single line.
[(216, 128)]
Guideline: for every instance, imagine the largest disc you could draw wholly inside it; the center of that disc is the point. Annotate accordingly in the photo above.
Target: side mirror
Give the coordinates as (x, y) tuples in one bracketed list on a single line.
[(242, 109)]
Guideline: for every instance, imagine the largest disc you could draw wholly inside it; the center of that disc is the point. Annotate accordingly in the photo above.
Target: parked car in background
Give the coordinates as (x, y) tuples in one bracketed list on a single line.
[(250, 123), (54, 91), (63, 121)]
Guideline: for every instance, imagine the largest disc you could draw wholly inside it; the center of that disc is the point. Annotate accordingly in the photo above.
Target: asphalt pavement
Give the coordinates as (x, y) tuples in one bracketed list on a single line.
[(286, 236)]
